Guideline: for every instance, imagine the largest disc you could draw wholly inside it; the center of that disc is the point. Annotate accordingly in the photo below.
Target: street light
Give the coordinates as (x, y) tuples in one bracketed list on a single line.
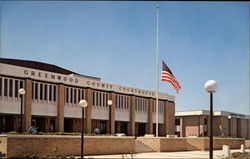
[(229, 127), (211, 87), (110, 102), (83, 104), (21, 91)]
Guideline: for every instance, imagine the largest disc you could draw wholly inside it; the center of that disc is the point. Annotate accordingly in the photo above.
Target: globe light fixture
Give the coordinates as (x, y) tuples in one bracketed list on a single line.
[(110, 102), (21, 91), (211, 86), (83, 103)]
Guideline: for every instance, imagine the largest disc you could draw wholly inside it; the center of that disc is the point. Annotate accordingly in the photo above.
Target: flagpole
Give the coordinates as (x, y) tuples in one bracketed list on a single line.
[(157, 69)]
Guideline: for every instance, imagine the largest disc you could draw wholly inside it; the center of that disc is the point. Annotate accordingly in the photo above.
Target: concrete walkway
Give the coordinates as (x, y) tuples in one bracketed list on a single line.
[(168, 155)]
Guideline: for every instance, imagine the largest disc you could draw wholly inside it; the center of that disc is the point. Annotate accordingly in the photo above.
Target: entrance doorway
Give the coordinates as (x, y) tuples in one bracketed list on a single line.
[(68, 125), (103, 127), (7, 123), (124, 128), (141, 129)]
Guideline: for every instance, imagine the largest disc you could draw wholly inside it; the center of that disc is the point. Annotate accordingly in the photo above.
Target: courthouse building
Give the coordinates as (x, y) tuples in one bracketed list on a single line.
[(197, 123), (52, 96)]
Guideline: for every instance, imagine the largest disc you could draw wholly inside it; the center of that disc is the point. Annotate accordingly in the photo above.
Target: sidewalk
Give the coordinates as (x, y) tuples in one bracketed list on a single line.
[(169, 155)]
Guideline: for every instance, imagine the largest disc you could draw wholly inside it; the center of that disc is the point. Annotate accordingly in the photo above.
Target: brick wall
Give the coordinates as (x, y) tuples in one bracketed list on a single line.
[(203, 143), (3, 143), (168, 145), (247, 143), (18, 146)]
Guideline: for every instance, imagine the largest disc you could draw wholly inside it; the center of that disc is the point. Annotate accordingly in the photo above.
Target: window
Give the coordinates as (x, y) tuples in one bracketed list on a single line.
[(100, 99), (116, 99), (50, 92), (16, 88), (79, 95), (83, 94), (93, 95), (5, 87), (67, 95), (104, 99), (10, 87), (75, 96), (205, 121), (54, 93), (21, 84), (71, 95), (107, 96), (177, 121), (96, 99), (36, 90), (45, 91), (41, 91), (1, 86)]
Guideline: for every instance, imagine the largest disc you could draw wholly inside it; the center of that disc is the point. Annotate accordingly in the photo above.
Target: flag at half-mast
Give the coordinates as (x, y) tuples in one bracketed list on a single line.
[(168, 76)]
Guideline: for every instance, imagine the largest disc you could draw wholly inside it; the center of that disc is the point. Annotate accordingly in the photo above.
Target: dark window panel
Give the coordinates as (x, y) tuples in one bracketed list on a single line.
[(5, 87), (100, 98), (55, 93), (41, 91), (1, 86), (50, 92), (96, 99), (36, 90), (71, 95), (67, 95), (45, 91), (20, 86), (83, 94), (177, 121), (32, 90), (75, 96), (79, 96), (10, 88), (116, 101), (93, 95)]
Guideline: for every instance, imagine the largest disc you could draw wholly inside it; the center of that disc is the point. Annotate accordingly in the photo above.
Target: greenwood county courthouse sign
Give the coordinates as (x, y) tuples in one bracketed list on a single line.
[(75, 80)]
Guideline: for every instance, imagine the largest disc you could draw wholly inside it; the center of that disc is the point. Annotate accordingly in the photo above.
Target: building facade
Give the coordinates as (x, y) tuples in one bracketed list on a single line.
[(197, 123), (52, 96)]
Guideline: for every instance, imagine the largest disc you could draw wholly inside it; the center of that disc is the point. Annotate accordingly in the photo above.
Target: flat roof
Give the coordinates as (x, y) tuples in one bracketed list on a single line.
[(207, 112)]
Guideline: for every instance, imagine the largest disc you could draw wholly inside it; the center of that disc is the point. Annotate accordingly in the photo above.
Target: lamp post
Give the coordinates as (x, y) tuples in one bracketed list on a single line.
[(21, 91), (211, 87), (229, 126), (83, 104), (110, 102)]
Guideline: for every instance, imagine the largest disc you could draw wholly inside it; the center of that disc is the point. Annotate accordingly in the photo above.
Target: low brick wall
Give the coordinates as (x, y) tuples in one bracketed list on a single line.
[(172, 144), (163, 144), (247, 144), (20, 145), (3, 143), (203, 143)]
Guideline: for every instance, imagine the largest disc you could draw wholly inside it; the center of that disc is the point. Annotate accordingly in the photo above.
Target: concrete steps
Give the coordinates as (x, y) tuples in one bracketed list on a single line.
[(141, 147)]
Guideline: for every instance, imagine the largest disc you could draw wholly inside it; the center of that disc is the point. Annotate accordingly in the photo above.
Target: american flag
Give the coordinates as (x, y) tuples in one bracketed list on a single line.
[(168, 76)]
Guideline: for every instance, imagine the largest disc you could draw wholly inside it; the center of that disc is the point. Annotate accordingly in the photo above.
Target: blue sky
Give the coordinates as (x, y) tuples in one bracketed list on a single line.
[(117, 41)]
